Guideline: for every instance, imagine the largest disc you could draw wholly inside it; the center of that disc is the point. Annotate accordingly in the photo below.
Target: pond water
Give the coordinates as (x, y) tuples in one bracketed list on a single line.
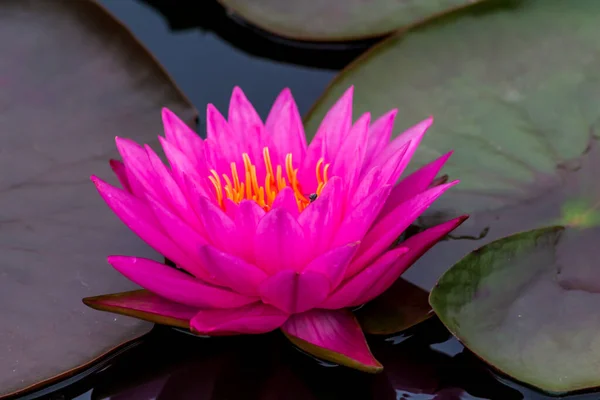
[(208, 53)]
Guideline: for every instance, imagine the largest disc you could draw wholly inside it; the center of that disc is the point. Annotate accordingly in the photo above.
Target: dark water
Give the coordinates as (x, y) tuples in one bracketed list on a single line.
[(207, 53)]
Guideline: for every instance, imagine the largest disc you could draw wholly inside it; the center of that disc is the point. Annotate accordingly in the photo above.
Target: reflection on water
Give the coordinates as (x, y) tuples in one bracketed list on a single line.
[(171, 365), (424, 363), (207, 54)]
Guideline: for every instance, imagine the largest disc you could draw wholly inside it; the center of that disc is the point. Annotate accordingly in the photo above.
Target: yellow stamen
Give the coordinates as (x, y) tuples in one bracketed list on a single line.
[(276, 179), (325, 170), (280, 179), (318, 170), (234, 175), (218, 188)]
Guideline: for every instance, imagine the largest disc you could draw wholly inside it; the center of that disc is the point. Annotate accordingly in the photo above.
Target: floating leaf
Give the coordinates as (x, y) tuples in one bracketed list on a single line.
[(71, 79), (528, 305), (514, 91), (321, 20), (400, 307)]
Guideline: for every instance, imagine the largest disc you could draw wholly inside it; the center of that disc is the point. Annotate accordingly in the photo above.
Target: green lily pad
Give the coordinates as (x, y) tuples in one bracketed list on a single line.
[(326, 20), (71, 79), (528, 305), (401, 306), (514, 90)]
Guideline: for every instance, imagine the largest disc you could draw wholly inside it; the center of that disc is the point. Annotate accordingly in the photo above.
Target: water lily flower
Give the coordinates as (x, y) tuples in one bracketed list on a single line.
[(267, 232)]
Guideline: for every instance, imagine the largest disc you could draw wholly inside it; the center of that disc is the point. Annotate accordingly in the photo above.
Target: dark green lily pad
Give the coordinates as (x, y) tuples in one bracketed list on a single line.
[(71, 79), (326, 20), (401, 306), (528, 305), (514, 90)]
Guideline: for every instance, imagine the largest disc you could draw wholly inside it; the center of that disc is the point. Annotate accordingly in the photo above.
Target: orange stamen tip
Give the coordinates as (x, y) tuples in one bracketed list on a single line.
[(275, 180)]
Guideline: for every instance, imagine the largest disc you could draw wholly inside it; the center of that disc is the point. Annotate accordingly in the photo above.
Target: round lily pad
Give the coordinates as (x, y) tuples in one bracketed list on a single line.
[(398, 308), (326, 20), (71, 79), (528, 305), (514, 88)]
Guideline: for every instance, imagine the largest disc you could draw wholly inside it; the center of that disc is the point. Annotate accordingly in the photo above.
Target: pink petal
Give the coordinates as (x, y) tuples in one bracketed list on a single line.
[(280, 243), (195, 192), (351, 153), (138, 167), (284, 126), (119, 169), (337, 123), (306, 172), (246, 220), (183, 137), (231, 208), (286, 199), (176, 286), (138, 217), (221, 145), (135, 186), (417, 245), (380, 134), (181, 233), (171, 192), (358, 221), (351, 291), (242, 114), (393, 167), (413, 136), (231, 271), (328, 138), (295, 292), (220, 229), (413, 184), (252, 319), (320, 219), (383, 233), (367, 185), (337, 335), (255, 136), (145, 305), (216, 124), (333, 263), (183, 169)]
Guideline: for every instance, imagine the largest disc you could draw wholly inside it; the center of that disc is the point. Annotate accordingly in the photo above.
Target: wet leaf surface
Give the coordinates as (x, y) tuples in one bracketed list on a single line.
[(71, 79), (514, 88), (528, 305), (400, 307), (323, 20)]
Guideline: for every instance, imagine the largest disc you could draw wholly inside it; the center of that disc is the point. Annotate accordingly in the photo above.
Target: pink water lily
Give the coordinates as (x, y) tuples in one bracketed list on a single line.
[(267, 232)]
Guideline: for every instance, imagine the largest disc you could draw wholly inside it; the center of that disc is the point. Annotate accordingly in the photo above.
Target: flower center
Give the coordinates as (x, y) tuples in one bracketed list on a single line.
[(249, 188)]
